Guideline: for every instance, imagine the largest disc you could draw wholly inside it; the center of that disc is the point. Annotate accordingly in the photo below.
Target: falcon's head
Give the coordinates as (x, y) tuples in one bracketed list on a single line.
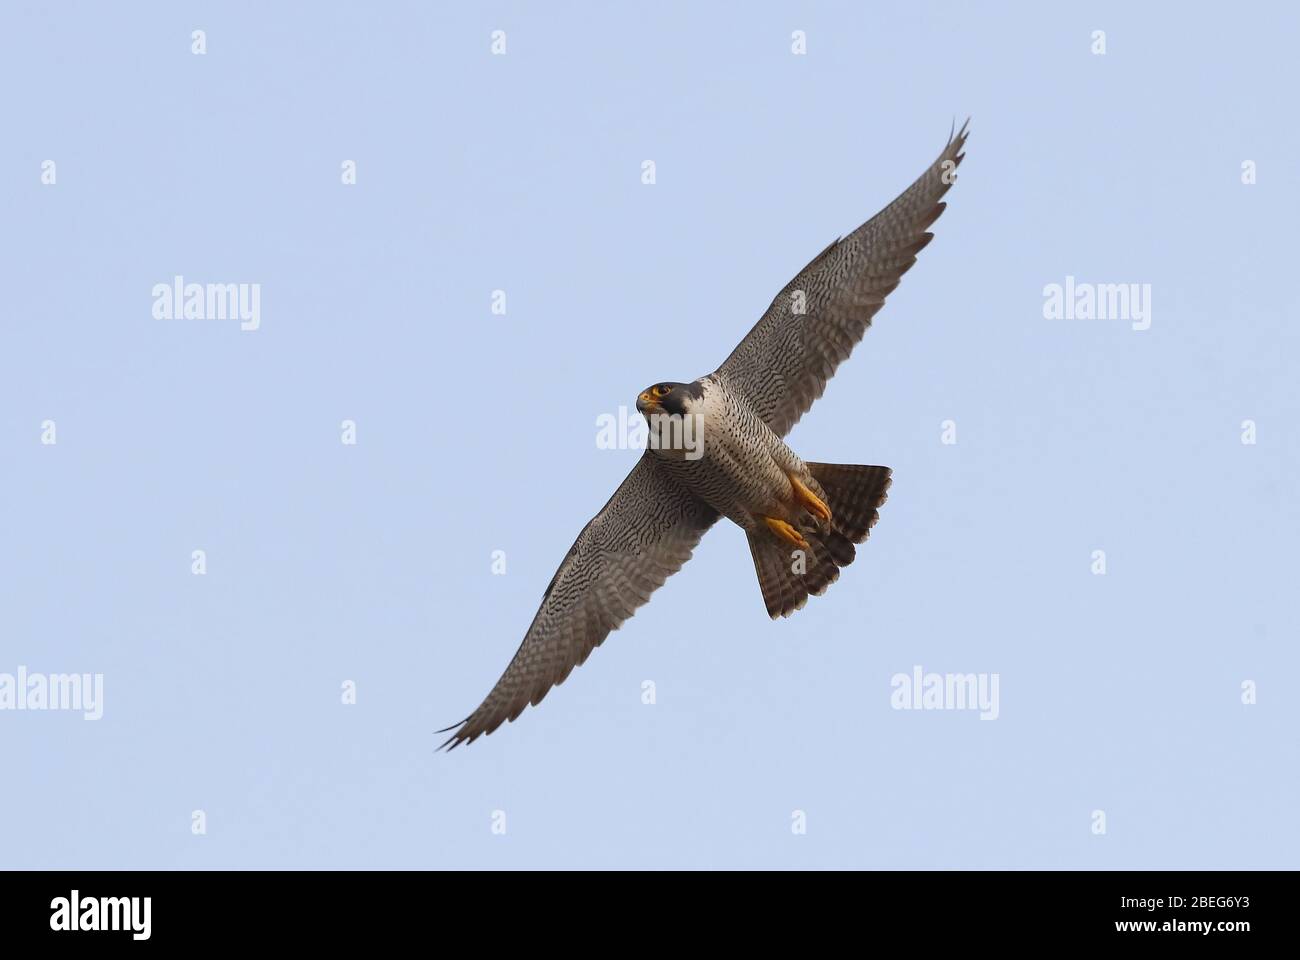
[(673, 399)]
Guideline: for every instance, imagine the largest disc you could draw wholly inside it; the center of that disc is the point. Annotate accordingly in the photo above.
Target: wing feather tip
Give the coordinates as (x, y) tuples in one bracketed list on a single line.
[(459, 735)]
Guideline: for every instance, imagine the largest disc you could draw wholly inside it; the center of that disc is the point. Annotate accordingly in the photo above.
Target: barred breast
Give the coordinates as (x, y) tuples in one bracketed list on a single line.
[(743, 471)]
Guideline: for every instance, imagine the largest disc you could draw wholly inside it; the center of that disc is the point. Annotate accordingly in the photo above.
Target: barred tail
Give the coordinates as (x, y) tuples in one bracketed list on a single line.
[(787, 576)]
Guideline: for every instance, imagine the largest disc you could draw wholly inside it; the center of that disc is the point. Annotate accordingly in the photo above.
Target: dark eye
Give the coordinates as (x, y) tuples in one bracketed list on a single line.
[(661, 390)]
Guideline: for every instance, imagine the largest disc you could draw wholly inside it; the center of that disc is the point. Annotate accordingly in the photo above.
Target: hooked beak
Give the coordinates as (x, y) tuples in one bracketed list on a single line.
[(646, 403)]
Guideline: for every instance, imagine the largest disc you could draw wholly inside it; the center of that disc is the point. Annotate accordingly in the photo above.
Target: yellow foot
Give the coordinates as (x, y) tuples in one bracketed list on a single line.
[(809, 500), (786, 532)]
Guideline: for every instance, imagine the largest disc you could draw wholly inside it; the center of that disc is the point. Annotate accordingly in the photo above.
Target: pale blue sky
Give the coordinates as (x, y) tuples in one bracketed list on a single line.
[(476, 432)]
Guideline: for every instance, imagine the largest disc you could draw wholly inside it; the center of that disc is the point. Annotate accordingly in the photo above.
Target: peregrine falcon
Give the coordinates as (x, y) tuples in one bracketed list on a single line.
[(802, 519)]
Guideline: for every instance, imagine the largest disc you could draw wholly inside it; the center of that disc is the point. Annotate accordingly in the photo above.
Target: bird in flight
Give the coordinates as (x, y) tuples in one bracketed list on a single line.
[(715, 449)]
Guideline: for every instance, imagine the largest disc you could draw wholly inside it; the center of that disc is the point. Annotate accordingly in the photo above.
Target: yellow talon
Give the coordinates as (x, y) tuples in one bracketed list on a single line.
[(810, 500), (786, 532)]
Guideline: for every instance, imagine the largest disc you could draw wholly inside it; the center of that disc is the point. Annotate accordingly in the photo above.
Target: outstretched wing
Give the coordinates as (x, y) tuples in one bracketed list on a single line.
[(783, 364), (637, 541)]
